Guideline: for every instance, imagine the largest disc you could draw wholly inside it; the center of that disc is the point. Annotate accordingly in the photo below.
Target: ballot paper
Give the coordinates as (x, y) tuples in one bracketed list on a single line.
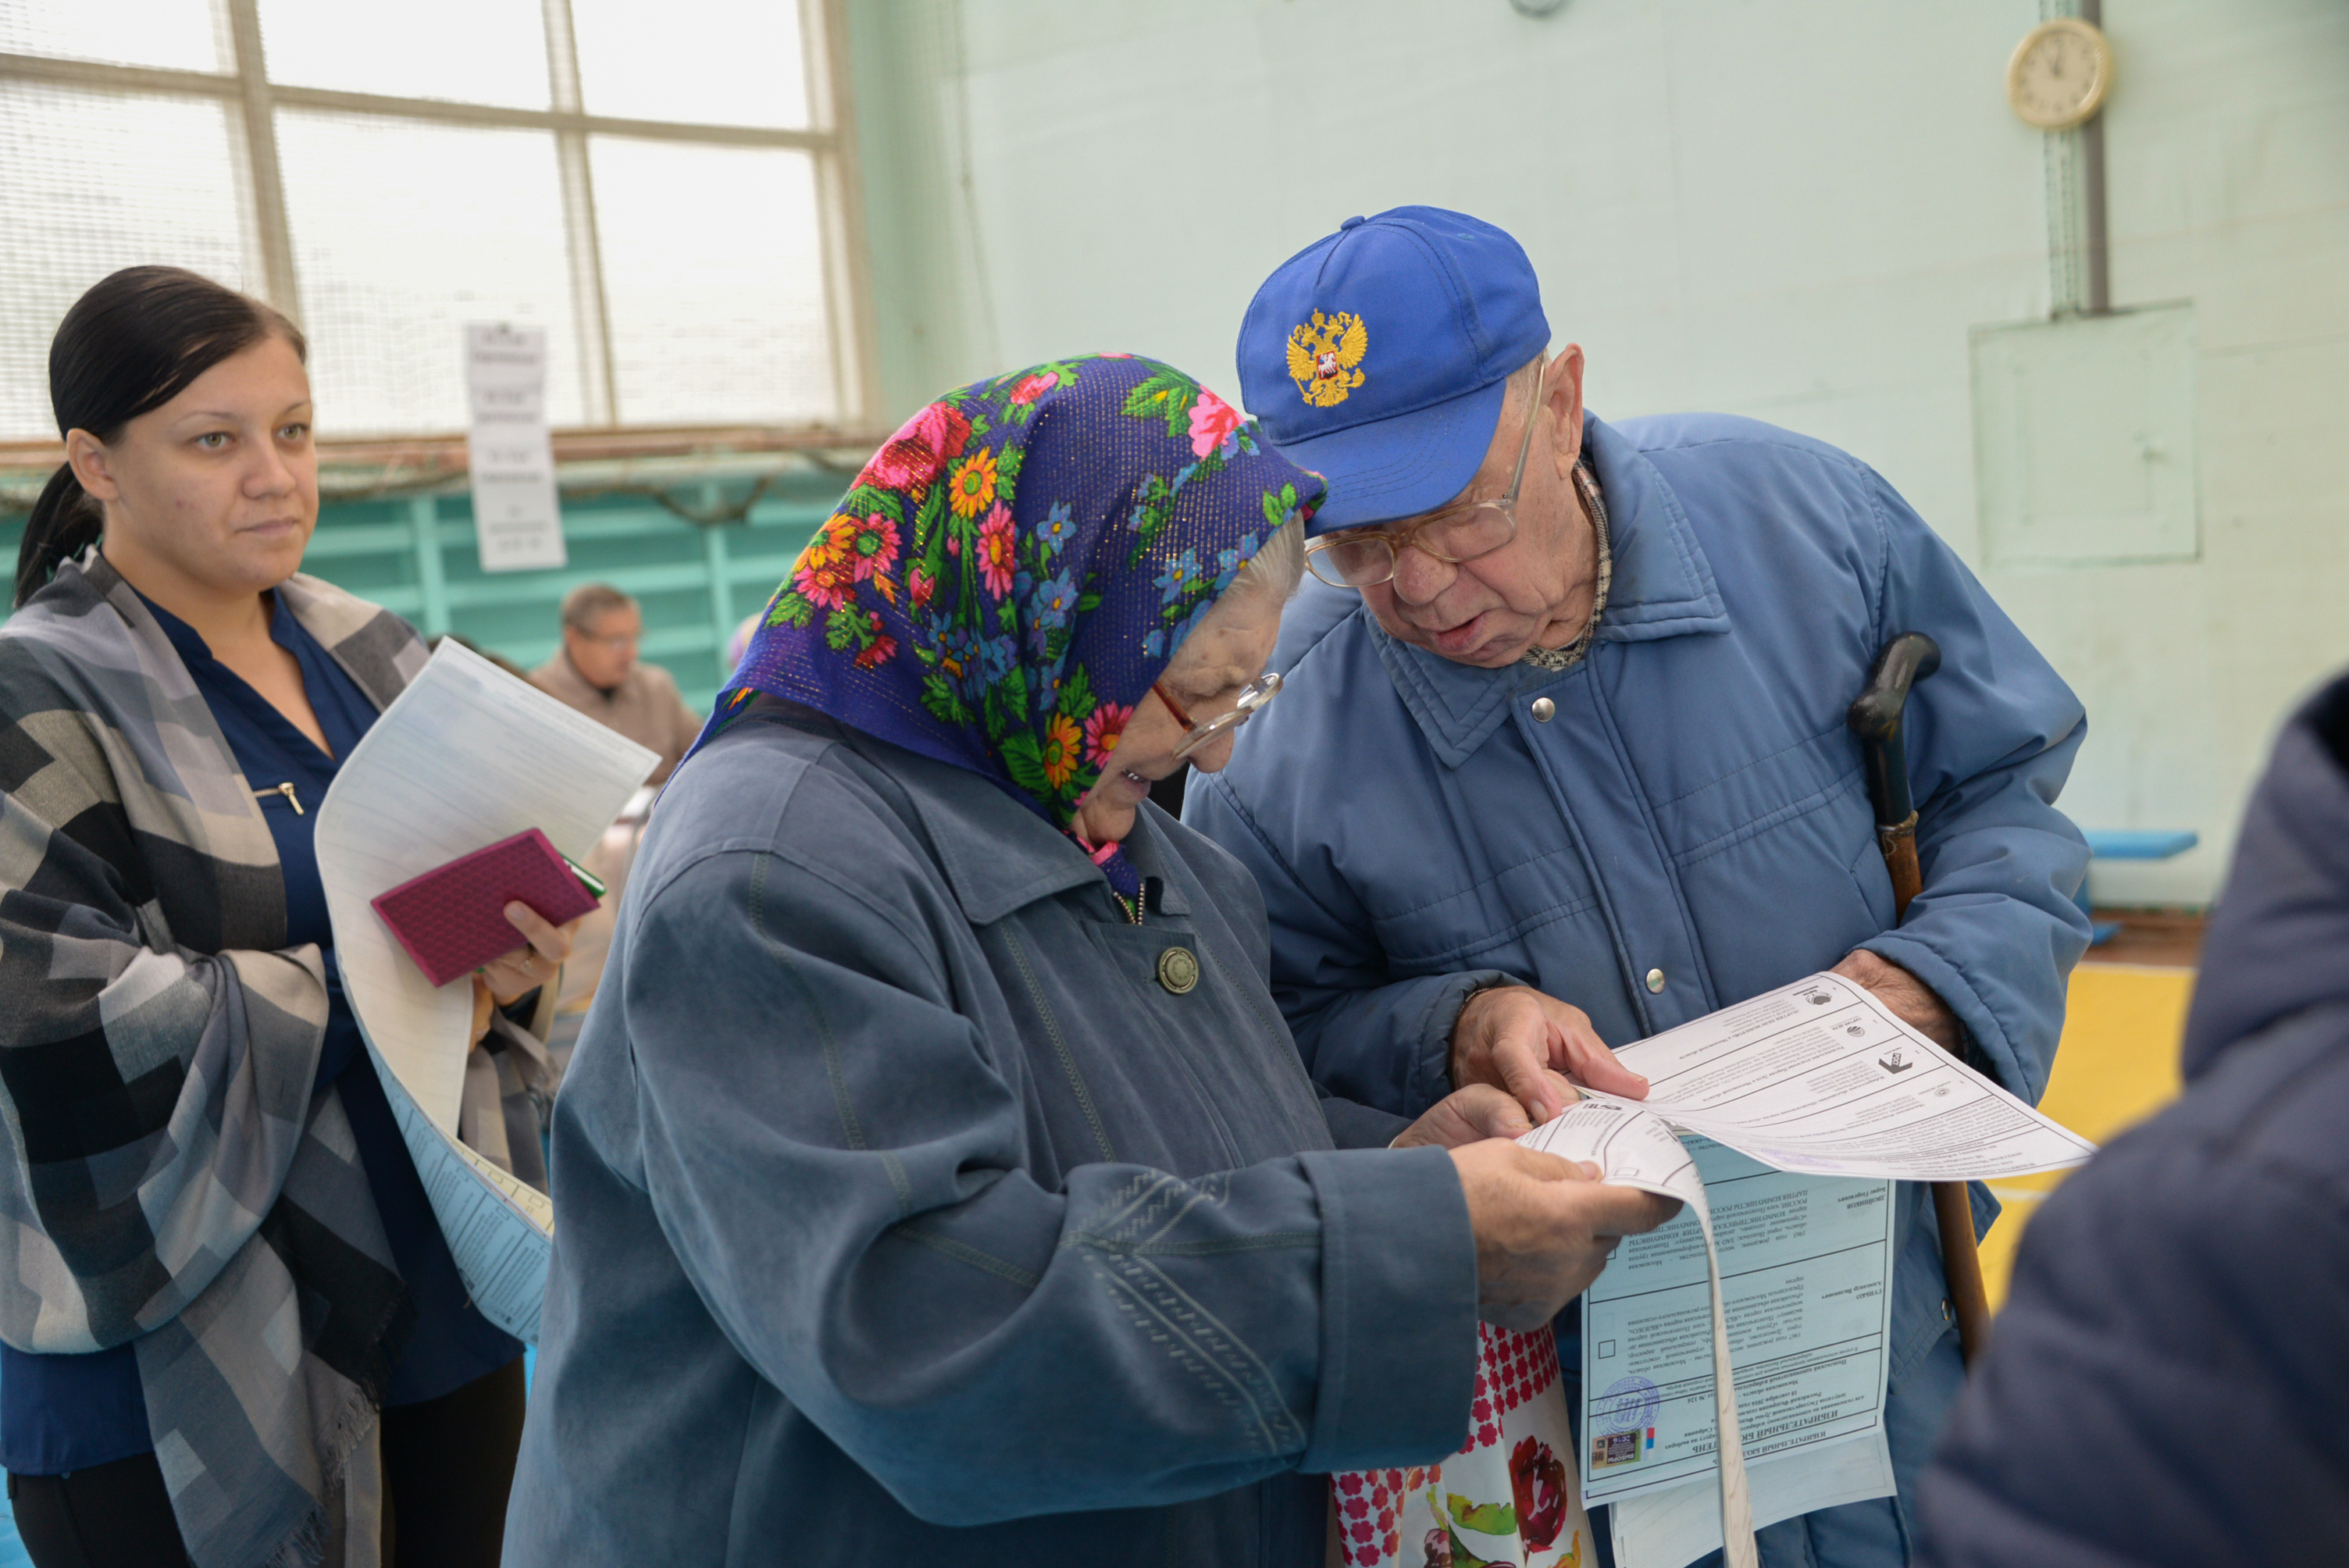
[(1795, 1109), (465, 757), (1632, 1147), (1821, 1077), (1673, 1529), (1804, 1266)]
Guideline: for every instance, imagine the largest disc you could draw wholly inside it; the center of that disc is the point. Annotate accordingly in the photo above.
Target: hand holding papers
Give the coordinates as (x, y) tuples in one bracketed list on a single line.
[(465, 757), (1816, 1078)]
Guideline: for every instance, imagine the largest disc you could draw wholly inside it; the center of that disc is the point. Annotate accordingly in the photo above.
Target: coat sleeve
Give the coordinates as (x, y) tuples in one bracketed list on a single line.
[(155, 1098), (839, 1162), (1382, 1043), (1990, 738)]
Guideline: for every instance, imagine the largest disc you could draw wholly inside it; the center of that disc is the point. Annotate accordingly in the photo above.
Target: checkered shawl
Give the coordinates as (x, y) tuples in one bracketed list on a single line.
[(169, 1178)]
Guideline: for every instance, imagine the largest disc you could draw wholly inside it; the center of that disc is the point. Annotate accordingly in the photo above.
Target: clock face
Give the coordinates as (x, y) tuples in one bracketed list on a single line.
[(2059, 74)]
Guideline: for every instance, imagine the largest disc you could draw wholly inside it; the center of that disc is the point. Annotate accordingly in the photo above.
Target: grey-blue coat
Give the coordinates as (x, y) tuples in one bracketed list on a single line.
[(906, 1212)]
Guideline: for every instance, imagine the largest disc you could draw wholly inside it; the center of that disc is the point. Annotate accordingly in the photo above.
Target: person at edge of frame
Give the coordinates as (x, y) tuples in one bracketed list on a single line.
[(2199, 1264), (234, 1332)]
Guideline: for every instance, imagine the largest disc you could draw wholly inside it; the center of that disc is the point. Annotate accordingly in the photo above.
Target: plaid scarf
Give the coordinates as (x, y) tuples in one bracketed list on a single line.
[(172, 1180)]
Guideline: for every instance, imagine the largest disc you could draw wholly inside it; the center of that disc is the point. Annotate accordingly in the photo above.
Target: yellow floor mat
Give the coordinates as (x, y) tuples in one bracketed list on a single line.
[(2116, 1064)]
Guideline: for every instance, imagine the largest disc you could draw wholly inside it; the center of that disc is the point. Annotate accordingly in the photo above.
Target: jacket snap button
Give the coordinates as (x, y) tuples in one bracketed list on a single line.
[(1178, 971), (1543, 709), (1655, 979)]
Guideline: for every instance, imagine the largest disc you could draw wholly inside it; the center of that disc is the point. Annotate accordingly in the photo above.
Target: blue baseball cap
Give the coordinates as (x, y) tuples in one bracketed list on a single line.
[(1378, 356)]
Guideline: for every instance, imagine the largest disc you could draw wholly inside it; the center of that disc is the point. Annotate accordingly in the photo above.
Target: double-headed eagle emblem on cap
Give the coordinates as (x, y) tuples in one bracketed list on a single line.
[(1322, 356)]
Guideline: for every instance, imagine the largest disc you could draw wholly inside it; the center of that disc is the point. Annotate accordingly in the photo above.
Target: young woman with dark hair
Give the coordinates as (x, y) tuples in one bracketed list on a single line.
[(231, 1331)]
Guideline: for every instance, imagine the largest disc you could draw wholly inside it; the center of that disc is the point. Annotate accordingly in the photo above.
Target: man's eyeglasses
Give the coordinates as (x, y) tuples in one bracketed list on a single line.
[(1364, 558), (1253, 696)]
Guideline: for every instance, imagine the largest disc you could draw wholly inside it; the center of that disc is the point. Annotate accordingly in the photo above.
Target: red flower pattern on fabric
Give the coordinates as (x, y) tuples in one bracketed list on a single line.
[(1031, 388), (913, 458), (1211, 420), (1103, 729), (827, 573), (996, 551), (1537, 1481), (882, 557)]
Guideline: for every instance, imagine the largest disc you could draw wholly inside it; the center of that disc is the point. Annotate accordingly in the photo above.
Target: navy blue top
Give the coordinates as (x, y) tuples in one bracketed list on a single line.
[(62, 1413)]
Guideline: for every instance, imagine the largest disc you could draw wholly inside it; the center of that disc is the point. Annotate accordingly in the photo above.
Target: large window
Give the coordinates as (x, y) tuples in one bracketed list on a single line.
[(660, 187)]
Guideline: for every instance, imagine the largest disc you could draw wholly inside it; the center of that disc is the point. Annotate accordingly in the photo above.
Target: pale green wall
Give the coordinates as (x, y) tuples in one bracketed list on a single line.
[(1793, 211)]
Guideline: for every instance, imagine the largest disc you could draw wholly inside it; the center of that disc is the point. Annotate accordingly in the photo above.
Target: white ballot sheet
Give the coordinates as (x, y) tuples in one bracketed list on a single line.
[(465, 757), (1634, 1148), (1804, 1265), (1819, 1077), (1672, 1529), (1799, 1108)]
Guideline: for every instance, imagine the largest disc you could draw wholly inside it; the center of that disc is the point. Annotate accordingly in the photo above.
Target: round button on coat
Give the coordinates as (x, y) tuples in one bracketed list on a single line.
[(1655, 979), (1543, 709), (1178, 970)]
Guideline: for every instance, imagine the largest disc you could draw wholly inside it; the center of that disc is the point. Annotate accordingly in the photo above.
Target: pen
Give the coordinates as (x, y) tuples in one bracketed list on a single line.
[(587, 879)]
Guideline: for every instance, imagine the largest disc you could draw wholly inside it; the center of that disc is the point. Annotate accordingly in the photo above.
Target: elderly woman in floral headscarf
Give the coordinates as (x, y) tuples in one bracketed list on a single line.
[(939, 1183)]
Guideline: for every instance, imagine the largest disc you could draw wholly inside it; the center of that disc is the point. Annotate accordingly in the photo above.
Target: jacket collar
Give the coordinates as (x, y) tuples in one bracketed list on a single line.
[(997, 854), (1663, 587)]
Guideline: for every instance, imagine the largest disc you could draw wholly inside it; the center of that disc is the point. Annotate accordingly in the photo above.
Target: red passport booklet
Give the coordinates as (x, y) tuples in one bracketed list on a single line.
[(451, 919)]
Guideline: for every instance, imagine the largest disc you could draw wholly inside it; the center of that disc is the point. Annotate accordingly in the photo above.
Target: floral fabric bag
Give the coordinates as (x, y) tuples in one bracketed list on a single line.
[(1510, 1497)]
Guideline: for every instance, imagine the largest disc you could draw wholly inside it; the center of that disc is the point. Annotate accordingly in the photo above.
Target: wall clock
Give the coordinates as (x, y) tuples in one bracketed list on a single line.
[(2059, 74)]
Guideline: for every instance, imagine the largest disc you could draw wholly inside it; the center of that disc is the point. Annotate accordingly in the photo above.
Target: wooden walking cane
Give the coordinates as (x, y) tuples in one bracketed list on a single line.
[(1875, 717)]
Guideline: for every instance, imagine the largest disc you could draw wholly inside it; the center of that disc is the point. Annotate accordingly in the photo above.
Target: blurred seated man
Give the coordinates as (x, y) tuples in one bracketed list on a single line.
[(2168, 1380), (597, 673)]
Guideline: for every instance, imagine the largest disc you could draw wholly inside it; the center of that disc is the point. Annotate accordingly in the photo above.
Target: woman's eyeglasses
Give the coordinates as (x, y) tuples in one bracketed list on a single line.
[(1253, 696), (1364, 558)]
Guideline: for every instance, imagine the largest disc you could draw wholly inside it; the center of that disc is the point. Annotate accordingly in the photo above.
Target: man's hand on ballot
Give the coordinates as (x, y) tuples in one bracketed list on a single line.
[(1544, 1227), (1517, 1039), (1909, 998)]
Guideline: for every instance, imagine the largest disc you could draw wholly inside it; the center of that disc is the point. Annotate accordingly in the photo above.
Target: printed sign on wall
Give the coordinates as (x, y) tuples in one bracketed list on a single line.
[(516, 516)]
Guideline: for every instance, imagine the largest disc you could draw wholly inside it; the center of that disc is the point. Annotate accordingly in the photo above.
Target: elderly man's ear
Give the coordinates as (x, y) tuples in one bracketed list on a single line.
[(1562, 398)]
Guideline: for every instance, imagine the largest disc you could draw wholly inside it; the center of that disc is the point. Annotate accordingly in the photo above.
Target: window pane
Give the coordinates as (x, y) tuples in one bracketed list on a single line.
[(713, 275), (97, 181), (403, 232), (178, 34), (715, 62), (471, 51)]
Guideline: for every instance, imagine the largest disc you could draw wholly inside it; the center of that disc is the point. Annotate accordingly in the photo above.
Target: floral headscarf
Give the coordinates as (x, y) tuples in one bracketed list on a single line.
[(1015, 567)]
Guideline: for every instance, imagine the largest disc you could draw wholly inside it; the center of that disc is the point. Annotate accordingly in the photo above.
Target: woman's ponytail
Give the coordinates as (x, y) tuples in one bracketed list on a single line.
[(63, 523), (130, 345)]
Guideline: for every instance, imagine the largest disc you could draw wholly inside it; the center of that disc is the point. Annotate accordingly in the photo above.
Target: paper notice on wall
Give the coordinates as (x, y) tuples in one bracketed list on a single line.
[(465, 757), (517, 517)]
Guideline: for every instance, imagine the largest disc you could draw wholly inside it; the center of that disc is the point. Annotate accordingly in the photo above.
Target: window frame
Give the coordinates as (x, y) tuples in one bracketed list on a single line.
[(253, 101)]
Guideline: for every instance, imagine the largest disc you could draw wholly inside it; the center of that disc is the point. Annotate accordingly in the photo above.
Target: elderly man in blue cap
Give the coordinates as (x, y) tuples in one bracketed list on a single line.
[(1561, 760)]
